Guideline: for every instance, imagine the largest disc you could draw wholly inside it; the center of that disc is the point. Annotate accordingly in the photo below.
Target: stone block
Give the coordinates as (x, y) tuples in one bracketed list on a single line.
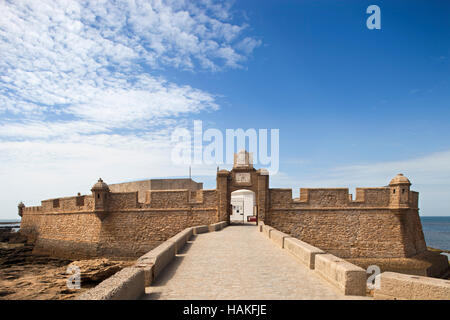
[(223, 224), (260, 226), (127, 284), (303, 251), (148, 272), (181, 238), (266, 230), (278, 237), (159, 257), (398, 286), (215, 227), (201, 229), (346, 277)]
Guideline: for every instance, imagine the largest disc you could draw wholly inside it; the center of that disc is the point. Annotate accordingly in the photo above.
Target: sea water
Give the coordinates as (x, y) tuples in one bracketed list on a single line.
[(437, 232)]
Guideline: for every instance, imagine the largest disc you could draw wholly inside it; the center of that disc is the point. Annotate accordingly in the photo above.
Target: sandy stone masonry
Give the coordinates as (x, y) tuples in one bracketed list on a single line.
[(130, 283), (346, 277), (241, 264), (174, 271), (129, 219), (396, 286)]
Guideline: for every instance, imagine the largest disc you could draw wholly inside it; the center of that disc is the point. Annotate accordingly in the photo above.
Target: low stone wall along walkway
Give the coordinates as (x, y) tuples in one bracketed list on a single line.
[(238, 262)]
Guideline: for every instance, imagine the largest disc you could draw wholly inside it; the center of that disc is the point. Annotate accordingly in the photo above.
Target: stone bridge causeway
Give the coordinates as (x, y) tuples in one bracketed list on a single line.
[(238, 263)]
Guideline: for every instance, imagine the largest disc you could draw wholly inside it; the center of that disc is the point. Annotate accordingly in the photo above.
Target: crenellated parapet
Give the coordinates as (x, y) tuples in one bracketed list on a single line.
[(375, 222), (160, 199), (114, 224), (396, 196), (107, 202), (68, 204), (378, 223)]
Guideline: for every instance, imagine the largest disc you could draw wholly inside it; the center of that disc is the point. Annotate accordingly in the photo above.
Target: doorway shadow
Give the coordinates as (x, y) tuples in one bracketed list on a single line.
[(246, 224)]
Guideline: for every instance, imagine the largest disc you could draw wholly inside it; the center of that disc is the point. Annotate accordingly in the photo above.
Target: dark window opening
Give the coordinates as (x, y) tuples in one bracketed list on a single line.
[(56, 203), (394, 191)]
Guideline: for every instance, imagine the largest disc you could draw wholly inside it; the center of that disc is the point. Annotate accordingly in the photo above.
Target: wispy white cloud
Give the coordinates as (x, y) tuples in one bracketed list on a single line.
[(82, 92), (432, 169), (87, 55)]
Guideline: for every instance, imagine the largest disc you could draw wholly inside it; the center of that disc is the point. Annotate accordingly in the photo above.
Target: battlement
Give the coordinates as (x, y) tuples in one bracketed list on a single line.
[(67, 204), (378, 197), (116, 201), (142, 186), (115, 224), (31, 210), (129, 218), (179, 198)]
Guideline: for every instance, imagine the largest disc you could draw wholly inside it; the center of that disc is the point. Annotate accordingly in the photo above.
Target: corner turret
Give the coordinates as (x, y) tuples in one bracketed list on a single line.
[(100, 192), (400, 190)]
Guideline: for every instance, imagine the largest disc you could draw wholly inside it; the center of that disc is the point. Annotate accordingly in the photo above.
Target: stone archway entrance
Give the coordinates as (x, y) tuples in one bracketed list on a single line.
[(242, 206), (242, 176)]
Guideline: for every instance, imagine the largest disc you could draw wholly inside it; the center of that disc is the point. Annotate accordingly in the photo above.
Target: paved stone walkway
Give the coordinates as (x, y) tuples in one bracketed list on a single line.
[(237, 262)]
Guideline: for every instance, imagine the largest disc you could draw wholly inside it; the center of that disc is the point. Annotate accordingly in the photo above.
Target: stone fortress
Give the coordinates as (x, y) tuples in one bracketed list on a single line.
[(379, 226)]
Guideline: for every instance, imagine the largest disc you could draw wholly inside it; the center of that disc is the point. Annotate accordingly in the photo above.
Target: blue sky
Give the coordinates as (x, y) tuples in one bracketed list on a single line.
[(90, 89)]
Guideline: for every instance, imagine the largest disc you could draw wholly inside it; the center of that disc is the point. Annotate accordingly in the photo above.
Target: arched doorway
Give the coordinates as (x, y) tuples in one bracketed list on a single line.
[(242, 206), (242, 176)]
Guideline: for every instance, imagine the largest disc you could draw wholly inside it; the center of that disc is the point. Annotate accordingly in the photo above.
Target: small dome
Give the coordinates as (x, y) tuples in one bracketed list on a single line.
[(100, 186), (400, 179), (223, 171)]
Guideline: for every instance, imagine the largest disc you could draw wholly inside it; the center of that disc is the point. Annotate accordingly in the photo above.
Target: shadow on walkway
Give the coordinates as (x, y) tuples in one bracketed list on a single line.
[(170, 270)]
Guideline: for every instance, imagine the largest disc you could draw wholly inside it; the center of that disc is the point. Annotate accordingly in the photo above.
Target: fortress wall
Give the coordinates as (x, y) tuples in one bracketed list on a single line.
[(139, 186), (205, 198), (31, 210), (71, 235), (124, 200), (126, 230), (68, 204), (154, 184), (167, 198), (181, 199), (281, 196), (344, 233), (171, 184), (132, 234), (29, 224), (373, 197), (330, 197), (124, 234), (327, 197), (369, 226), (413, 233), (414, 199)]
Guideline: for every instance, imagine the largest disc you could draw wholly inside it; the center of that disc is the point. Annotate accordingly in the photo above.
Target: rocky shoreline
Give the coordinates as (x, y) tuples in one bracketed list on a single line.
[(26, 276)]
